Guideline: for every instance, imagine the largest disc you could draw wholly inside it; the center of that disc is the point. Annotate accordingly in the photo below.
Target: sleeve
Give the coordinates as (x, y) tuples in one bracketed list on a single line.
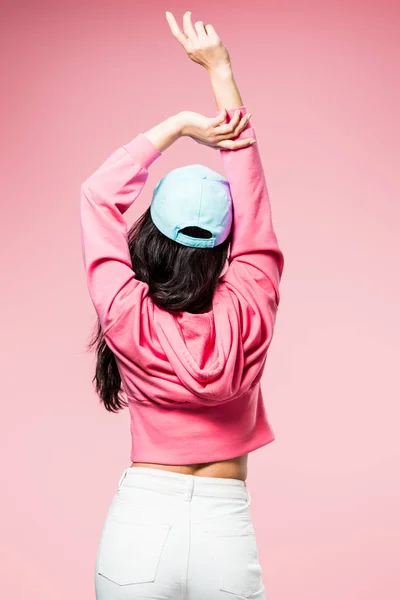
[(254, 243), (105, 197)]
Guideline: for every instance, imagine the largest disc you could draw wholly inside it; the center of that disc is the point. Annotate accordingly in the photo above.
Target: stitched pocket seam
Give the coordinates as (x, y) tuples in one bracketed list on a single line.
[(222, 562), (114, 561)]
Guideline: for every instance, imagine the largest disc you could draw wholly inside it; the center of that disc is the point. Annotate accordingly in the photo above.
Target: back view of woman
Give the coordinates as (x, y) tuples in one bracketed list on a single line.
[(186, 304)]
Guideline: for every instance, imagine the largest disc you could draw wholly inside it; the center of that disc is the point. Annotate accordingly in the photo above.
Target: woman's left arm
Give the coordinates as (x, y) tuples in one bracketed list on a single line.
[(108, 193), (105, 197)]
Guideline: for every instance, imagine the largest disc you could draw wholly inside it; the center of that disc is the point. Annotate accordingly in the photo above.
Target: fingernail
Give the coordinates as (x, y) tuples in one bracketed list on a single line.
[(248, 116), (253, 141)]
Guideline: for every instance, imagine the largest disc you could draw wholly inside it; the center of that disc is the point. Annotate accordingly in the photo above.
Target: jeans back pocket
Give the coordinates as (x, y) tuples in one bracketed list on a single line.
[(234, 547), (130, 551)]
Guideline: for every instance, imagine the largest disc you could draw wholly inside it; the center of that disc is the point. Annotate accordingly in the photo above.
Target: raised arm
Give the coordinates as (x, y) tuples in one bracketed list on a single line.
[(105, 196), (108, 193), (254, 245), (254, 242)]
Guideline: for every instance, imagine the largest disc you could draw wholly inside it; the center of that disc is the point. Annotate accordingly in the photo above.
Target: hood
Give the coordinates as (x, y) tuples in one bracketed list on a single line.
[(204, 358), (205, 350)]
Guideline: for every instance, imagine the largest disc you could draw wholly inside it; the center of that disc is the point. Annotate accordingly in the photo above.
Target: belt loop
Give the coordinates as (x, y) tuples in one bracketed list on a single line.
[(248, 494), (189, 488), (124, 472)]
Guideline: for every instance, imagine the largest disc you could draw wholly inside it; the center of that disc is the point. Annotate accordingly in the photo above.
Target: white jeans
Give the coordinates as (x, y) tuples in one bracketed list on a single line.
[(172, 536)]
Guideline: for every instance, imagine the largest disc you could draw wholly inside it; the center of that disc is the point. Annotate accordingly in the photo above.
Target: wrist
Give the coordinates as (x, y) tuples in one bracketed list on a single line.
[(165, 133), (221, 71), (175, 124), (182, 121)]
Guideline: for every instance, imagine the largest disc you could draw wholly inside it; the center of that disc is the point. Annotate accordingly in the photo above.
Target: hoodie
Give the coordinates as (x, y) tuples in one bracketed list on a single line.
[(191, 381)]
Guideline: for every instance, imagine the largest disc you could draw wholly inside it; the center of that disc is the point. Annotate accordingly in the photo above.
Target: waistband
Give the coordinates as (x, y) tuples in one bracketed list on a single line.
[(183, 483)]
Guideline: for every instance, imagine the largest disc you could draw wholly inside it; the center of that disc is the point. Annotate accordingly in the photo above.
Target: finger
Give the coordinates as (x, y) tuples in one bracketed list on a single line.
[(211, 32), (228, 128), (229, 133), (188, 27), (219, 119), (201, 32), (176, 32), (236, 144)]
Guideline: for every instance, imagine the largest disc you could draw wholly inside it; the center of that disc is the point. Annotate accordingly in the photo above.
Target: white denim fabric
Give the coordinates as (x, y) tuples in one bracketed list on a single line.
[(172, 536)]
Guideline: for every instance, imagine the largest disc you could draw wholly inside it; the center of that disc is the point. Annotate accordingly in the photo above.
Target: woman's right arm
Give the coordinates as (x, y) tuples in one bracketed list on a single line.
[(254, 247), (254, 243)]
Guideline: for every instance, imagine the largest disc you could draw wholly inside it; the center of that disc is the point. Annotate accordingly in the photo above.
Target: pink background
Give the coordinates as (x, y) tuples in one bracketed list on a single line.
[(321, 79)]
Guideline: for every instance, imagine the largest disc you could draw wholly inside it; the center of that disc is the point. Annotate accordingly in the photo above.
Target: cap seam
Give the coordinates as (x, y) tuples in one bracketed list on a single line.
[(201, 201)]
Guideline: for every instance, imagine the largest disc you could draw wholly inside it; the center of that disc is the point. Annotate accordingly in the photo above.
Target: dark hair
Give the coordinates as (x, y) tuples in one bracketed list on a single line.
[(180, 278)]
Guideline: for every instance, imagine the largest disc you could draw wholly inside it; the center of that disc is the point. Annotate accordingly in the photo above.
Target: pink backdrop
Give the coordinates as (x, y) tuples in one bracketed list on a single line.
[(79, 80)]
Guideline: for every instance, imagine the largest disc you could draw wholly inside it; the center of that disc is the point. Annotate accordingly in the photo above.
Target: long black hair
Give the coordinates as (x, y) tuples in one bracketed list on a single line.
[(180, 278)]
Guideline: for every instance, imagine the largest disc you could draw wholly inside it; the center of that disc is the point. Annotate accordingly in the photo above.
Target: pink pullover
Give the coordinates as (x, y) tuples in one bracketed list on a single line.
[(192, 380)]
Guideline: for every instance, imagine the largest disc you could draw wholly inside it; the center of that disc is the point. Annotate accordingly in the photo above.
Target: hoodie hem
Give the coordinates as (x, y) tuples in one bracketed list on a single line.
[(182, 457)]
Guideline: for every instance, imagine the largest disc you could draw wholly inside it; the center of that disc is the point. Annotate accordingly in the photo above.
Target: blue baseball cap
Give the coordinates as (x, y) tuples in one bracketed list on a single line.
[(193, 195)]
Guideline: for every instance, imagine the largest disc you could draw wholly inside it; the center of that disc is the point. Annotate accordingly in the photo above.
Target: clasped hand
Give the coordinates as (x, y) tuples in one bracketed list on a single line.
[(214, 132)]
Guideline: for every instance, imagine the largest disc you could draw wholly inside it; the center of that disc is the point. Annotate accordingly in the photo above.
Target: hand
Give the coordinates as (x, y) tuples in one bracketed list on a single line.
[(213, 132), (201, 42)]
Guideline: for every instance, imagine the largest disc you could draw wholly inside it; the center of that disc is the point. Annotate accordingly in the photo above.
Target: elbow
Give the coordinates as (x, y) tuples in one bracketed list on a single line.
[(85, 186)]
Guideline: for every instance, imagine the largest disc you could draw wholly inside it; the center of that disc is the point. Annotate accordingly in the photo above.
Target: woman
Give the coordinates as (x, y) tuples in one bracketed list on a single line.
[(183, 332)]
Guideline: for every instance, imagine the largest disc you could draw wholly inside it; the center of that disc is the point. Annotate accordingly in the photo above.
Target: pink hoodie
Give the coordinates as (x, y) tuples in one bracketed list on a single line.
[(192, 380)]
